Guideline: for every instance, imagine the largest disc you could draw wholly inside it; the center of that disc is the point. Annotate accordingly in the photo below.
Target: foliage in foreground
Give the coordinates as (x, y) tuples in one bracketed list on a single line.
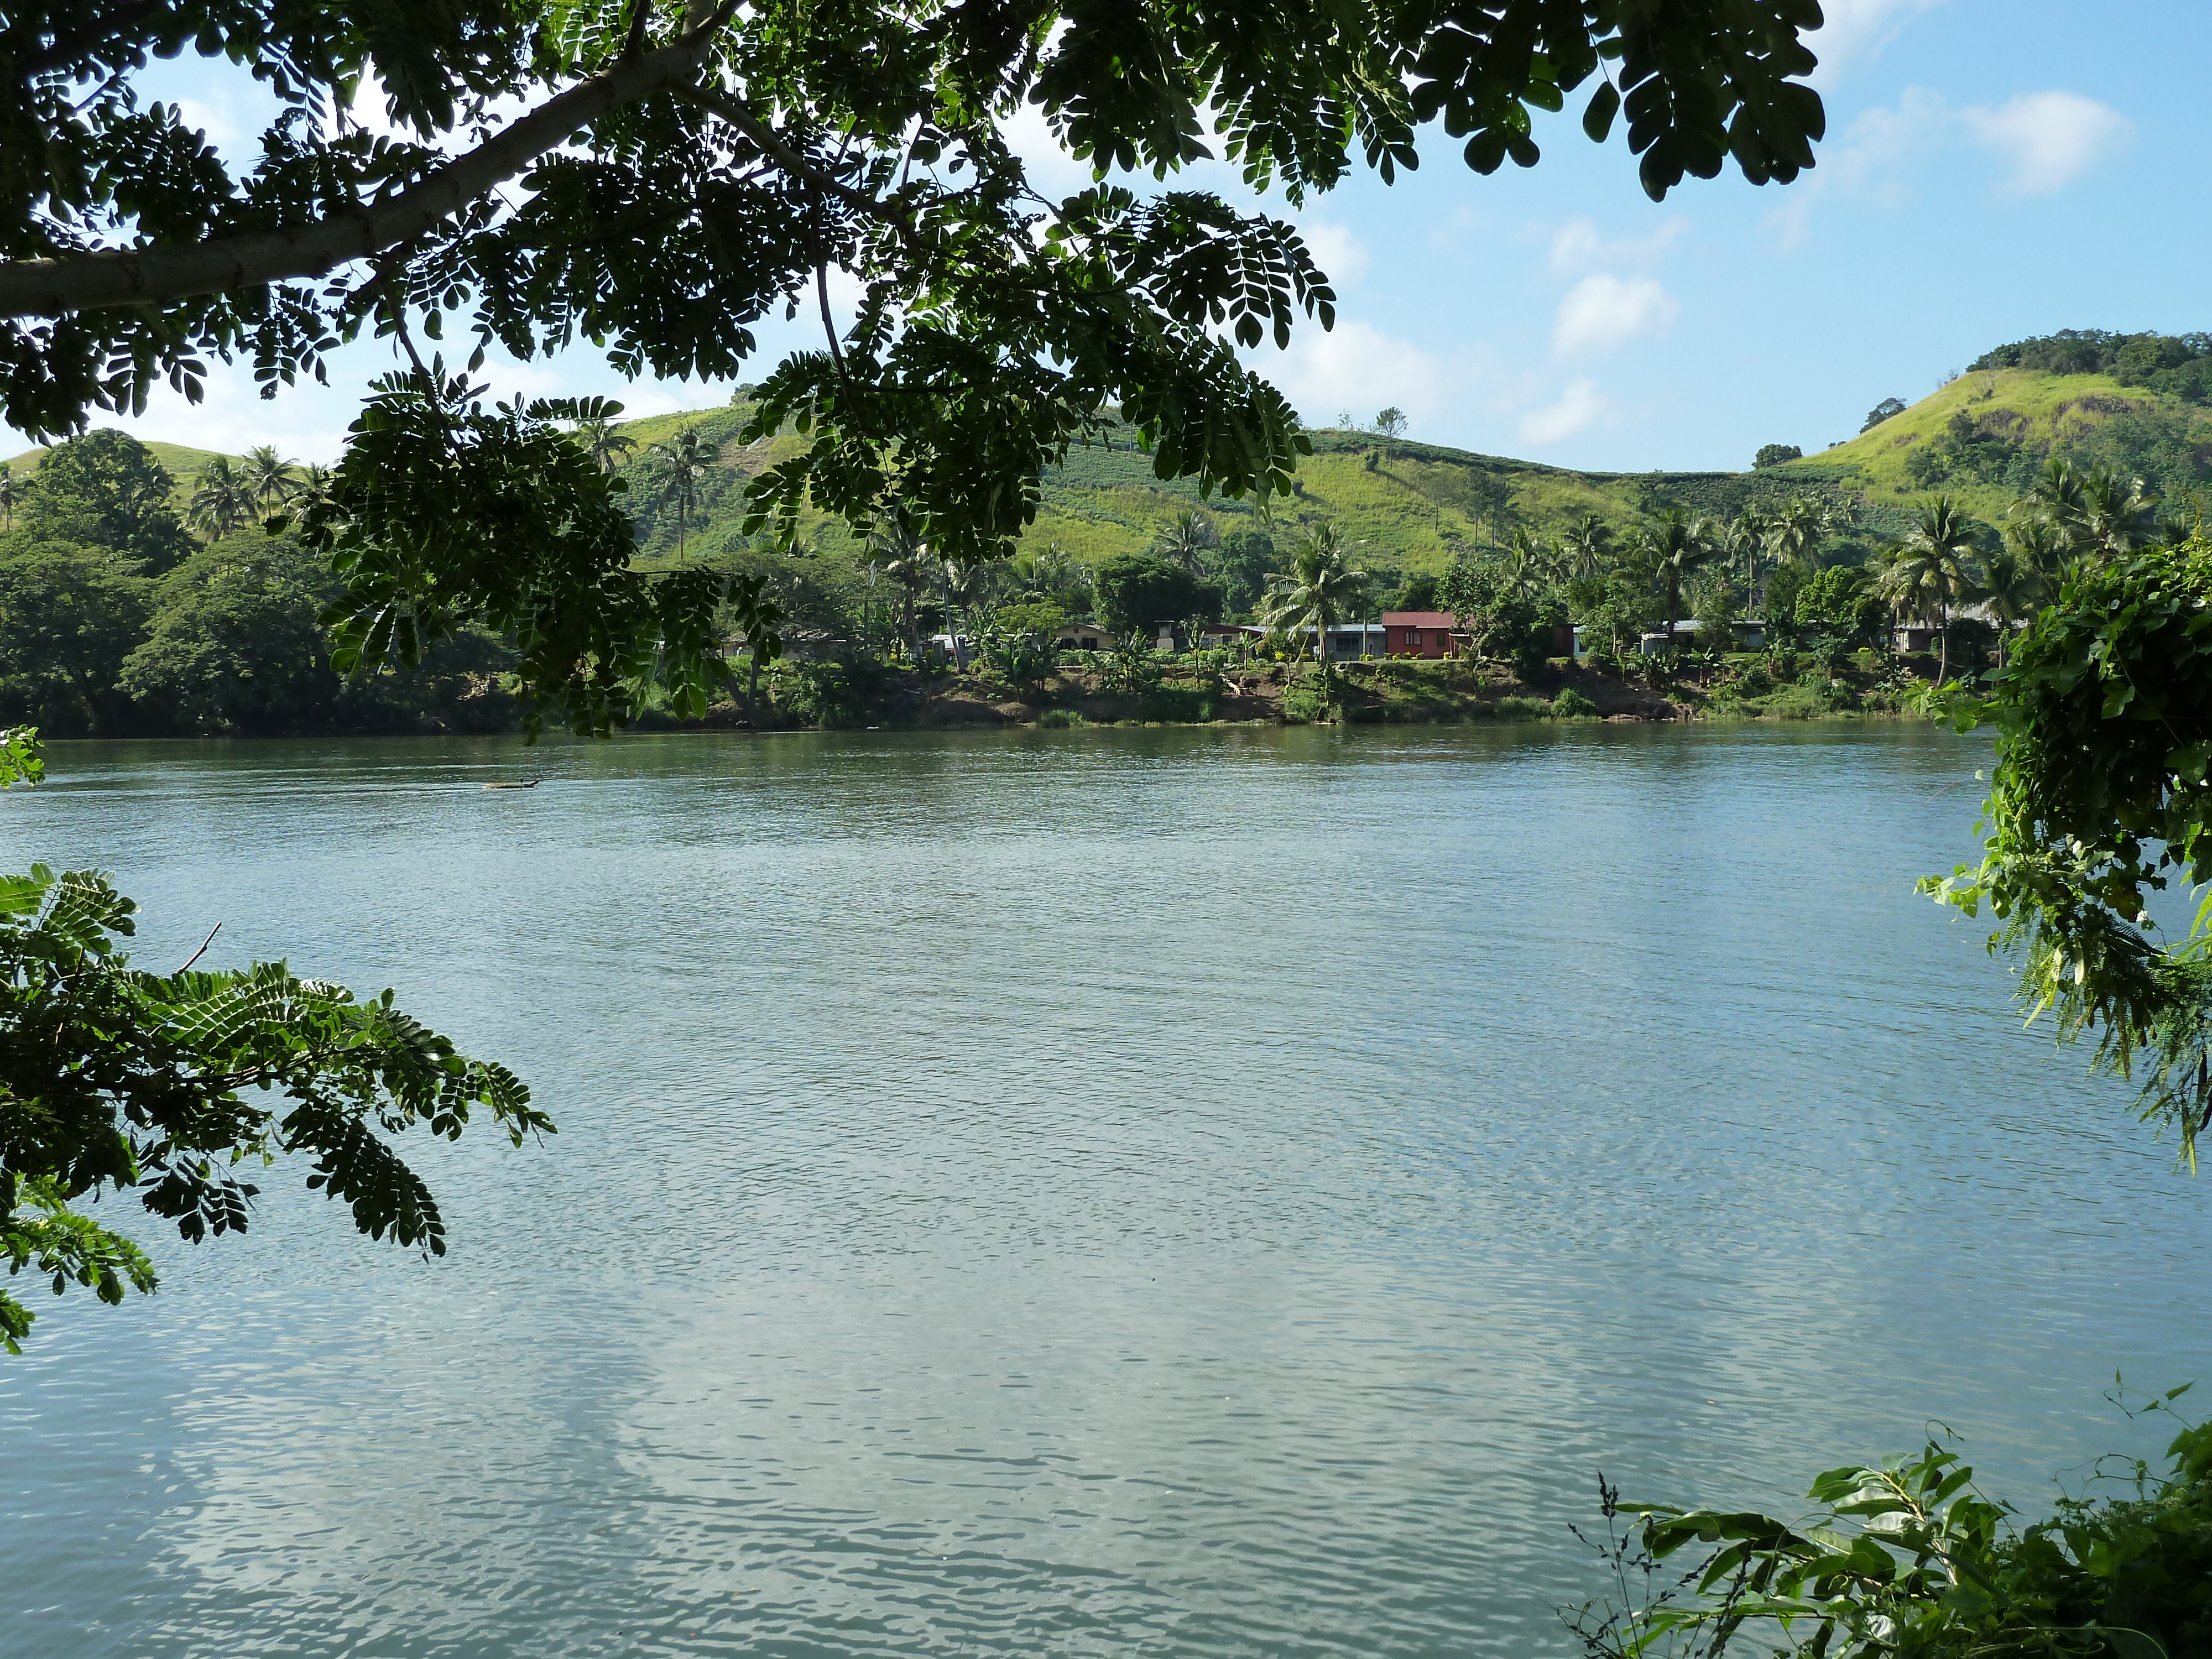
[(165, 1083), (2099, 797), (1907, 1558)]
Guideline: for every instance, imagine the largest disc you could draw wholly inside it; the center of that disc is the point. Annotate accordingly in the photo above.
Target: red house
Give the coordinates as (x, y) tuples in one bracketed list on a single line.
[(1417, 633)]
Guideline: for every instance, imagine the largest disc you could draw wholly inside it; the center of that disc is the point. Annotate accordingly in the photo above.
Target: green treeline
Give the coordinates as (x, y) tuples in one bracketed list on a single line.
[(2179, 365), (115, 620)]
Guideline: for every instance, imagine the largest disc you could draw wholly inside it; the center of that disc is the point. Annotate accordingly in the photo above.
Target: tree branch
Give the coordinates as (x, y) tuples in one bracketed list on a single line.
[(155, 276), (791, 162)]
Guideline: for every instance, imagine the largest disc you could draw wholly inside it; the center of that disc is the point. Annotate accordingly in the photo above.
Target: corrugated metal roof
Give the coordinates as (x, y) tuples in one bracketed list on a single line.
[(1417, 619)]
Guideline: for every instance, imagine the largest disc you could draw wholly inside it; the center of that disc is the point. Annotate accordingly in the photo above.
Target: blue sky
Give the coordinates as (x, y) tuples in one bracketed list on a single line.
[(1994, 168)]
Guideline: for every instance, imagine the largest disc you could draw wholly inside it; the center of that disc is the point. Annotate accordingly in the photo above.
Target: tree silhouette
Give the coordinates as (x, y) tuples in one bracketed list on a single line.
[(684, 463)]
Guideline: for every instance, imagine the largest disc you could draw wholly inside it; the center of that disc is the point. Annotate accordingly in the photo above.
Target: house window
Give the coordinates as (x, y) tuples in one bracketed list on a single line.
[(1413, 636)]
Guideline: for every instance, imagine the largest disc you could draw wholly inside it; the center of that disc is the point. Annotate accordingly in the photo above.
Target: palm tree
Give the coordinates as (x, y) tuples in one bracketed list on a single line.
[(1320, 590), (1677, 549), (2012, 587), (2057, 493), (1187, 539), (684, 463), (1585, 548), (1927, 575), (2116, 514), (1742, 541), (962, 582), (605, 443), (313, 489), (268, 480), (222, 500), (760, 619), (1795, 533), (2036, 541), (899, 551), (1535, 565)]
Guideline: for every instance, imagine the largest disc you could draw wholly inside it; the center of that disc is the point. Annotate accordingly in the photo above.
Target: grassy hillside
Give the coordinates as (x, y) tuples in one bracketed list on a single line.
[(2016, 417), (1981, 437), (180, 462)]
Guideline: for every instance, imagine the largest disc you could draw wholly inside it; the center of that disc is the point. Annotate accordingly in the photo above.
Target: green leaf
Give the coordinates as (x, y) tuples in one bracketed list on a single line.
[(1604, 105)]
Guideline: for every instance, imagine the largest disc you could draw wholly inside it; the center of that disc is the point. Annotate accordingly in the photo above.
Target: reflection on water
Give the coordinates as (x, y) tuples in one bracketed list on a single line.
[(1190, 1192)]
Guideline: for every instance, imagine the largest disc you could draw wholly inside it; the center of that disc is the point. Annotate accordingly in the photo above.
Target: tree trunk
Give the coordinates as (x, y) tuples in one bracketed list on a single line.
[(1943, 643), (752, 689)]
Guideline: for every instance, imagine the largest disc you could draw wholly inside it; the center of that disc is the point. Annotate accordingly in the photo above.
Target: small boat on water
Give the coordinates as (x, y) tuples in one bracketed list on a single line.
[(533, 784)]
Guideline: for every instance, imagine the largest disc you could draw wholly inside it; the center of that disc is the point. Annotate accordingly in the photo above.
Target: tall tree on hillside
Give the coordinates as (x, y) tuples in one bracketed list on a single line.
[(222, 500), (1930, 573), (606, 444), (1533, 563), (683, 461), (267, 478), (2033, 540), (1187, 540), (894, 546), (1676, 547), (8, 488), (107, 489), (1795, 530), (1742, 541), (1322, 589), (2054, 498), (2116, 514), (1585, 548), (314, 490), (2012, 587)]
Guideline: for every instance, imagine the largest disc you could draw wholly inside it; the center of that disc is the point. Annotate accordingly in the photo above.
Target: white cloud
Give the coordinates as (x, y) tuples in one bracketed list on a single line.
[(1580, 407), (1337, 251), (1578, 245), (1868, 162), (1854, 30), (1358, 367), (1603, 311), (2052, 138)]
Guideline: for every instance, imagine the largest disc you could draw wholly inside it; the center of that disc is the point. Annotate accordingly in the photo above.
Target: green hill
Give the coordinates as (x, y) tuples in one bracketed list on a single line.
[(1981, 437)]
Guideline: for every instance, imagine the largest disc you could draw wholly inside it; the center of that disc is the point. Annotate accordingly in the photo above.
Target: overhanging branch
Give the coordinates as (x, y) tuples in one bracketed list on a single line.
[(155, 276)]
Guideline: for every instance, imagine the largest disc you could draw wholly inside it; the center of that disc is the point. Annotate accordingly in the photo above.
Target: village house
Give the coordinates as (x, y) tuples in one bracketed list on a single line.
[(1215, 636), (1417, 633)]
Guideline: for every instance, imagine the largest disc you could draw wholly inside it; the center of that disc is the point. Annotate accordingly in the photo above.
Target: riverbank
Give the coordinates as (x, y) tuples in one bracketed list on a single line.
[(1191, 691)]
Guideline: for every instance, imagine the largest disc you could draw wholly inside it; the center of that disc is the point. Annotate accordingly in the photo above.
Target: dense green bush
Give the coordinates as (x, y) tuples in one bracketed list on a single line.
[(70, 615), (1572, 705), (1907, 1558), (1183, 703), (236, 646), (824, 694), (226, 638), (1307, 703)]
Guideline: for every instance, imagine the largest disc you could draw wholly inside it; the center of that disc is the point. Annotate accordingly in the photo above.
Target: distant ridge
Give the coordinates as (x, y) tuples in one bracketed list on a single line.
[(1979, 437)]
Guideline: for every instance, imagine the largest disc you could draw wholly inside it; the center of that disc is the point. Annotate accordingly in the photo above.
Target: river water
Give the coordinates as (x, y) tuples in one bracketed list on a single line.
[(1206, 1193)]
